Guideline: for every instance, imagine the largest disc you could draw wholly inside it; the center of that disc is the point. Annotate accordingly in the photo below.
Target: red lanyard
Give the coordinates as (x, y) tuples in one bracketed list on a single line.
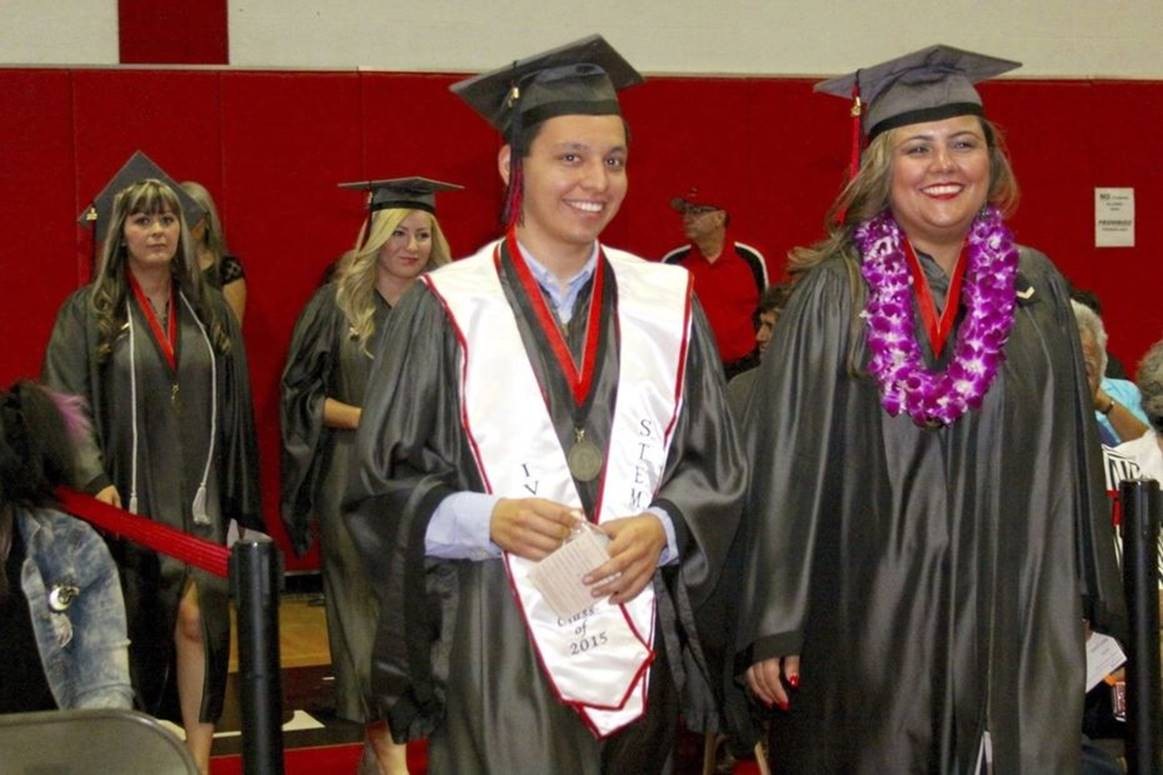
[(938, 330), (165, 340), (579, 383)]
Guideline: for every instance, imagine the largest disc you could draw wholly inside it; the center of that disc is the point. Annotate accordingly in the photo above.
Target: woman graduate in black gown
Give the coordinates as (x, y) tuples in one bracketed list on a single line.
[(159, 359), (323, 389), (928, 528)]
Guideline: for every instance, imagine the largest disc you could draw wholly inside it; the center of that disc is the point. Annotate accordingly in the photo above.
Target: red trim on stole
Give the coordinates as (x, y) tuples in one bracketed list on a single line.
[(579, 383), (684, 348), (938, 331)]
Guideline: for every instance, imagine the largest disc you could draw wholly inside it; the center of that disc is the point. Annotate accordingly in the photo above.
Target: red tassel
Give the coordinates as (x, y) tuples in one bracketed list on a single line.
[(857, 135), (511, 214), (857, 140)]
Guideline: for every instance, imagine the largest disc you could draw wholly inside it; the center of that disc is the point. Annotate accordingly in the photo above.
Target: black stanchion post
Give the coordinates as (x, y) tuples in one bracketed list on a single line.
[(1141, 582), (255, 579)]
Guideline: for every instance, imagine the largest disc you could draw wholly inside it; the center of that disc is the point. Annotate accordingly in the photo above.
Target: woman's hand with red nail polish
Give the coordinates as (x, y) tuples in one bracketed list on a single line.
[(764, 679)]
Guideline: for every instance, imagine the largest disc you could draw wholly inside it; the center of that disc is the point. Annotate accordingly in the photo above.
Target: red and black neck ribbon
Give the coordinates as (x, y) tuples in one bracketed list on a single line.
[(166, 340), (581, 380), (937, 329)]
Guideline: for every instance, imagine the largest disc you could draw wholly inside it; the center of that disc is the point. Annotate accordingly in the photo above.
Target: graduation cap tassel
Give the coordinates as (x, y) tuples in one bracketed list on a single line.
[(857, 137), (365, 231), (91, 220), (511, 213), (857, 110)]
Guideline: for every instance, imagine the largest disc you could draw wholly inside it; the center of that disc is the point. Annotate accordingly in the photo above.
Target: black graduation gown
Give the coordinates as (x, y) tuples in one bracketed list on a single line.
[(452, 657), (324, 361), (934, 581), (173, 440)]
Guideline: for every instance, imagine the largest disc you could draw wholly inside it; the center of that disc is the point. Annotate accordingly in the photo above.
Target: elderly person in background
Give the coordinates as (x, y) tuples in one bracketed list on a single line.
[(1116, 401), (1147, 449), (1114, 367), (1141, 456), (925, 523), (729, 276)]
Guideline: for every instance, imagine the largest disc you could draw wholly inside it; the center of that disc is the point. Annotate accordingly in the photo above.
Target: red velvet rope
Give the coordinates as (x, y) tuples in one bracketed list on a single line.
[(211, 558)]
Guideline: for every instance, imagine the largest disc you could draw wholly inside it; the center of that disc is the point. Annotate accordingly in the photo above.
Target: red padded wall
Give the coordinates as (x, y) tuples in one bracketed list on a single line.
[(414, 126), (287, 139), (1065, 139), (146, 32), (173, 116), (271, 146), (37, 192), (743, 136)]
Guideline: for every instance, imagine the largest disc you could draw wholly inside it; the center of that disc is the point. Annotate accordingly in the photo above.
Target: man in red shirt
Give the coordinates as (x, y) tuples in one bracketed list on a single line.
[(729, 277)]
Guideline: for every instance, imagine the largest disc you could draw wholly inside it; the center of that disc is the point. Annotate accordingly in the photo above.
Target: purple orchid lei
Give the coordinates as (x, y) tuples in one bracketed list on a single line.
[(937, 398)]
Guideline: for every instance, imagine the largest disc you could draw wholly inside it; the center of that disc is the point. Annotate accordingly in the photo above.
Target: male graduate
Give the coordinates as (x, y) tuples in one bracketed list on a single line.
[(545, 377)]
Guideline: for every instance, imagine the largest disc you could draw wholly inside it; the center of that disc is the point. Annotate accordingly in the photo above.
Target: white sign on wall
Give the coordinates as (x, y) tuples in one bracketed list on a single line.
[(1114, 217)]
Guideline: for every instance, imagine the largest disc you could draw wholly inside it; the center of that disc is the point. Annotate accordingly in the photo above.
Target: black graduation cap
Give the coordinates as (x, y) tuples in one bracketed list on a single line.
[(138, 168), (927, 85), (583, 77), (414, 193)]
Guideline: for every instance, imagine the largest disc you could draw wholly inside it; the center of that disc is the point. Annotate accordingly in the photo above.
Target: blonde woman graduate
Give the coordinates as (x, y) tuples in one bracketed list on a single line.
[(322, 394)]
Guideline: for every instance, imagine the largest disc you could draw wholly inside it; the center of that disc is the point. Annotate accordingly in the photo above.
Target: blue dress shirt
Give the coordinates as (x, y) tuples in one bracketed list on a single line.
[(459, 528)]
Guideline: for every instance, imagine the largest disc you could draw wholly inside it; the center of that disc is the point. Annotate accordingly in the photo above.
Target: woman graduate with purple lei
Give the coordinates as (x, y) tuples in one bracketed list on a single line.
[(928, 526)]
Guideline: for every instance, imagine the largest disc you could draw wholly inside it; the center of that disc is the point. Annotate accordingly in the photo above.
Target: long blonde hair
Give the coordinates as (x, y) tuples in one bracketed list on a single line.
[(213, 239), (110, 288), (356, 274)]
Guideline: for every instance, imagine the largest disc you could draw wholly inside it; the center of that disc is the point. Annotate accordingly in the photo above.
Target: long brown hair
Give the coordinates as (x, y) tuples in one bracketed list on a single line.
[(866, 195), (110, 288)]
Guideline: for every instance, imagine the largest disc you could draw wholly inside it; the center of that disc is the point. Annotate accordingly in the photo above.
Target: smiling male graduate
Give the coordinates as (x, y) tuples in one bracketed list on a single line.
[(544, 378)]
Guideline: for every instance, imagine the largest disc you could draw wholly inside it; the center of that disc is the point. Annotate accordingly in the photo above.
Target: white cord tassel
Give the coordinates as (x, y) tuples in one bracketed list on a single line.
[(199, 507), (133, 408)]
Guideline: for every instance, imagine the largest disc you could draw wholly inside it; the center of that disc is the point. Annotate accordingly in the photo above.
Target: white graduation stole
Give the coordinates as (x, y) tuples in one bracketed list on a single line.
[(597, 662)]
